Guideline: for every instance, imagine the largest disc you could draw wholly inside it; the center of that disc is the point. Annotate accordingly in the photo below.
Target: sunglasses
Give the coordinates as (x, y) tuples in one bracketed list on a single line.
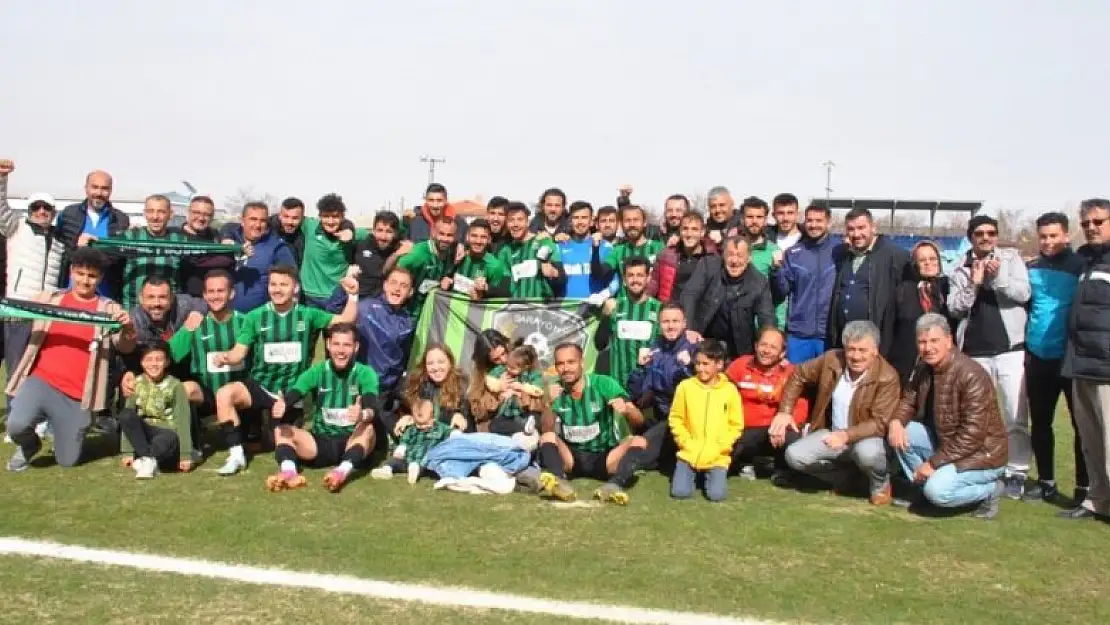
[(43, 207), (985, 234), (1097, 222)]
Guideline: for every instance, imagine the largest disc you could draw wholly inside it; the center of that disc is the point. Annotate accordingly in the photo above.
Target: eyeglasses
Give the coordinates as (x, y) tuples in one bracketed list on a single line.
[(985, 234), (1085, 223), (40, 207)]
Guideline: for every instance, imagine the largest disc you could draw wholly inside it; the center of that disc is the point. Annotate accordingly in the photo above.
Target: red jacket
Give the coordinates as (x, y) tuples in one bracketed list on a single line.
[(661, 284), (761, 391)]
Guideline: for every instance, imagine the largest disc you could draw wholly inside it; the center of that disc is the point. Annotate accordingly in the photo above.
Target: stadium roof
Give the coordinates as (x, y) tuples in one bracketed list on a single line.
[(934, 206)]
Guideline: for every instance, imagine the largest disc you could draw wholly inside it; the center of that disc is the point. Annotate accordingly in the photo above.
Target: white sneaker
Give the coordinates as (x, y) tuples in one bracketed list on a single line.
[(747, 472), (414, 472), (145, 468), (530, 425), (233, 465), (44, 431), (383, 472)]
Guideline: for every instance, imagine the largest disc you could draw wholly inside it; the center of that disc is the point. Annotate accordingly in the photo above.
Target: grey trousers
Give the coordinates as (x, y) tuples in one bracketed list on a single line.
[(17, 334), (1091, 401), (38, 401), (810, 455)]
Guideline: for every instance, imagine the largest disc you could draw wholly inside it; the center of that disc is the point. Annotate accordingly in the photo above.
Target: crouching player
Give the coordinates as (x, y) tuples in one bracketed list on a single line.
[(582, 435), (345, 396)]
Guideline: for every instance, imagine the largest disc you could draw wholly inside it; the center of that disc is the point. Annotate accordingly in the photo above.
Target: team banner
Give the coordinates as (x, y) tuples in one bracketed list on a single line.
[(455, 320), (36, 311), (134, 248)]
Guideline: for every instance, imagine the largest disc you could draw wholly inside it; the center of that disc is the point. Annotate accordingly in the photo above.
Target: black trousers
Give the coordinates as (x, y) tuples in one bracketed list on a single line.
[(755, 442), (151, 441), (1043, 386)]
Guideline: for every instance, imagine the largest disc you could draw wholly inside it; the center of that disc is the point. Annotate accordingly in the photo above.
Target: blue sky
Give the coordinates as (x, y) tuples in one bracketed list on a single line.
[(1004, 101)]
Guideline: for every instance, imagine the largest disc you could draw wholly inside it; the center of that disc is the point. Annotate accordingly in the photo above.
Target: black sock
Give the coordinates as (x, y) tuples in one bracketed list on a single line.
[(552, 460), (284, 452), (232, 434), (627, 467), (354, 455)]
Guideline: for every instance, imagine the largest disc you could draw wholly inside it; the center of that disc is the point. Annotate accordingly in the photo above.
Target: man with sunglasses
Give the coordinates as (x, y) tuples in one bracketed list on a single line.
[(34, 259), (989, 294)]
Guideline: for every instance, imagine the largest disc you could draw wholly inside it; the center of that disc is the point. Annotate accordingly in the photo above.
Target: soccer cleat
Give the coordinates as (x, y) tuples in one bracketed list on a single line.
[(334, 480), (285, 480), (611, 493), (988, 508), (383, 472), (414, 472), (233, 465), (145, 468), (556, 487)]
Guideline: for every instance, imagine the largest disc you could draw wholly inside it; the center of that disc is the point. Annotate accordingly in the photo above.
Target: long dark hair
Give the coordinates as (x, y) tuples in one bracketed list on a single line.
[(487, 341)]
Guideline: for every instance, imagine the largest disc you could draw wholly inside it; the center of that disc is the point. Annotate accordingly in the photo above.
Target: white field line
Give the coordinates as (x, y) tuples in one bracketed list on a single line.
[(434, 595)]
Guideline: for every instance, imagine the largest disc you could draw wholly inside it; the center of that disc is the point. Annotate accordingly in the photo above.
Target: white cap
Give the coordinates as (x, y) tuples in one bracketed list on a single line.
[(41, 197)]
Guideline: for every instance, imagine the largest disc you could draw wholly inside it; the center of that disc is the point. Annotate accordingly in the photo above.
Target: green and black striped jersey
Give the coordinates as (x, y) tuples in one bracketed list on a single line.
[(210, 338), (137, 270), (523, 261), (624, 250), (588, 423), (427, 266), (334, 393), (634, 325), (281, 343)]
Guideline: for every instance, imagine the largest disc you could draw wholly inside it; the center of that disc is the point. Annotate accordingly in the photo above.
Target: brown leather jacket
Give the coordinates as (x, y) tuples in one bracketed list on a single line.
[(969, 428), (872, 404)]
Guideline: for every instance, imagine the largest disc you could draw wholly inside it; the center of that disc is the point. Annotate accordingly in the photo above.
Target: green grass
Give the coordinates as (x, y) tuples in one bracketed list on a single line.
[(764, 553)]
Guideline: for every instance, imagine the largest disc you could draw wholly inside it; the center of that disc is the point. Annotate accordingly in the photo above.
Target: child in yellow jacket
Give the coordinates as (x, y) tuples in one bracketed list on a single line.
[(706, 420)]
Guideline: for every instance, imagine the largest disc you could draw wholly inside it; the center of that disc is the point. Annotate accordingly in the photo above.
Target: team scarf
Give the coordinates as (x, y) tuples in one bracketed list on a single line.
[(120, 246), (37, 311)]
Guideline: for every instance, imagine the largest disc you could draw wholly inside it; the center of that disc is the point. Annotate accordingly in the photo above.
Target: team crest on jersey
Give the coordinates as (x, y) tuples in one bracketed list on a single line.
[(301, 326)]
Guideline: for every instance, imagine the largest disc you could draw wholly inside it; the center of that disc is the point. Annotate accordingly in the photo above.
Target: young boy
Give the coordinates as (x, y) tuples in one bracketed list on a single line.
[(159, 398), (706, 419), (424, 433)]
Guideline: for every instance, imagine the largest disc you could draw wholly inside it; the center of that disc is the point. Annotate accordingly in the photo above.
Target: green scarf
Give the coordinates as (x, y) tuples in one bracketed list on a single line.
[(127, 247), (23, 309)]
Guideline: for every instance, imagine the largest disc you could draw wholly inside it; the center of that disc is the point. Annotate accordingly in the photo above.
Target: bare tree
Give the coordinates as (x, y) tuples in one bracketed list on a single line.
[(233, 204)]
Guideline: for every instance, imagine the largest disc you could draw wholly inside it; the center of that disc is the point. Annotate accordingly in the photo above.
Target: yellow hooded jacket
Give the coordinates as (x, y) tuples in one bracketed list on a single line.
[(706, 420)]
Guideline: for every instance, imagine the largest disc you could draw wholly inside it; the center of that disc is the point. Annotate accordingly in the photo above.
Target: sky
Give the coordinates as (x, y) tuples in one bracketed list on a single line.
[(1004, 101)]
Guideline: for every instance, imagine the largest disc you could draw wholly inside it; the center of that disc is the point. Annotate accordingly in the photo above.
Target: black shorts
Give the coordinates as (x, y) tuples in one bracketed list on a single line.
[(207, 405), (589, 464), (263, 400), (329, 450)]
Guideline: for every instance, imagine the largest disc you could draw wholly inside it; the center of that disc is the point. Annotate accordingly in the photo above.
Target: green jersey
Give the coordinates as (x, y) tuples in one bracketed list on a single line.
[(633, 325), (624, 250), (417, 442), (763, 257), (281, 343), (488, 266), (427, 267), (511, 408), (523, 260), (201, 345), (588, 423), (326, 258), (138, 270), (334, 393)]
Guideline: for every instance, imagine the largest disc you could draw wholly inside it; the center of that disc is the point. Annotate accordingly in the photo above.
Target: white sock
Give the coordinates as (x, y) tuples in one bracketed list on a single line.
[(236, 451), (345, 467), (288, 466)]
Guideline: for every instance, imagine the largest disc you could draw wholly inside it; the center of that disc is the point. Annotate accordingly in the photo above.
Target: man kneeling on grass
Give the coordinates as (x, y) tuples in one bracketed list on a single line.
[(158, 400), (947, 430), (582, 435), (345, 396)]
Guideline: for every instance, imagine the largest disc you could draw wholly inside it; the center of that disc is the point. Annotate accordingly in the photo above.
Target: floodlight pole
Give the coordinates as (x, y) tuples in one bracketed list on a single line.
[(432, 161), (828, 165)]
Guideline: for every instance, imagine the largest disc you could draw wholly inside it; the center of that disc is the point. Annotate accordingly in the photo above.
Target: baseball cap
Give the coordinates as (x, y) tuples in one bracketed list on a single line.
[(45, 198)]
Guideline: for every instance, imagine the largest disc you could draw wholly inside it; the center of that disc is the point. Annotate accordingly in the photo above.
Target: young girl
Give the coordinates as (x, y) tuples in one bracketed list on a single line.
[(424, 433), (438, 381), (706, 419), (514, 391), (158, 404)]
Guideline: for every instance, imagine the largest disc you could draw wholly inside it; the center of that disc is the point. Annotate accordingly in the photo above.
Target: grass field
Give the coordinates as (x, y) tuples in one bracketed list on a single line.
[(765, 553)]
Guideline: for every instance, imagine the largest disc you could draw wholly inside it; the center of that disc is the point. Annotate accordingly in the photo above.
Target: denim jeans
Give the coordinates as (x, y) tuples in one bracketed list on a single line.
[(684, 481), (800, 349), (810, 455), (947, 487)]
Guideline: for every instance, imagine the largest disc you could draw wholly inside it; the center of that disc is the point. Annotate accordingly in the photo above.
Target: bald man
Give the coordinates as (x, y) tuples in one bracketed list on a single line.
[(93, 219)]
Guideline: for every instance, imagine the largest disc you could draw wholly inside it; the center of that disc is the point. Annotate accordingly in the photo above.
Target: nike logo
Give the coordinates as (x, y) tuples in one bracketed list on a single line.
[(325, 390), (265, 328), (205, 337)]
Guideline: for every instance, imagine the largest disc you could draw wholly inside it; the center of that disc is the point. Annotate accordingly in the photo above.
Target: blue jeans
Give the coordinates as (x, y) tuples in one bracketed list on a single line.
[(947, 488), (685, 477), (800, 349)]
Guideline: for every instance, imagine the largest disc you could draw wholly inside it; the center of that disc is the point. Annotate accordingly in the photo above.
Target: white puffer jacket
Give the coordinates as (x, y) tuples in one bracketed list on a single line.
[(32, 266)]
